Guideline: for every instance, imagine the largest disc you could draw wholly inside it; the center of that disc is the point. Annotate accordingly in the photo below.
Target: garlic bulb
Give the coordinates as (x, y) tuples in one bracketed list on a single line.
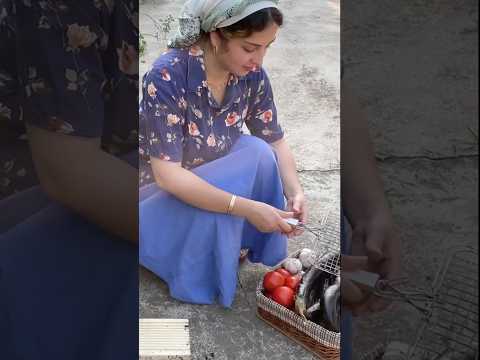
[(307, 258), (293, 266)]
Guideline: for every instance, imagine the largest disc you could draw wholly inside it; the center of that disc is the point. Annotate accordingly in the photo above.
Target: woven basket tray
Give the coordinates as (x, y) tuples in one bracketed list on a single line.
[(321, 342)]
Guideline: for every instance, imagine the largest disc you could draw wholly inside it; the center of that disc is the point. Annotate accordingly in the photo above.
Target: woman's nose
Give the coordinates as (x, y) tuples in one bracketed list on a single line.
[(258, 58)]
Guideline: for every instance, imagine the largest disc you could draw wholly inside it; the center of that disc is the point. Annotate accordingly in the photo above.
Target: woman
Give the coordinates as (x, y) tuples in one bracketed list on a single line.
[(214, 190)]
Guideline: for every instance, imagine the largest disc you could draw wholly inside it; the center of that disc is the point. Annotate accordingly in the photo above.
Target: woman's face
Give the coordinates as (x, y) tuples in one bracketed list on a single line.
[(239, 56)]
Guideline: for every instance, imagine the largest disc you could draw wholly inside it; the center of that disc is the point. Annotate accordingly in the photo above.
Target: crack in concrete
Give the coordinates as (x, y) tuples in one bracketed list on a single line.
[(425, 157), (317, 170)]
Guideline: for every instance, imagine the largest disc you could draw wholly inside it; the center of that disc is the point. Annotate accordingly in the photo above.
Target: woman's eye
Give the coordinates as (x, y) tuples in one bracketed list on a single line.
[(249, 50)]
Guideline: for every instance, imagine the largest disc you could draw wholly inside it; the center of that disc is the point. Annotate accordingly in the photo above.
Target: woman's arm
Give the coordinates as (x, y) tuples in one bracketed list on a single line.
[(362, 188), (76, 172), (190, 188), (292, 188), (364, 201)]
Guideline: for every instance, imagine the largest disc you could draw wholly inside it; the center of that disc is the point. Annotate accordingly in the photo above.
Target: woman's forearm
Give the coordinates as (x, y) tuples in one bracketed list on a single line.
[(362, 188), (288, 168), (190, 188), (76, 172)]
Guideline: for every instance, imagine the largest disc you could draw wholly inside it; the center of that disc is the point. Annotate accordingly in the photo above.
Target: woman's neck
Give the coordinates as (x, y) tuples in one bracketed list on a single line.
[(214, 71)]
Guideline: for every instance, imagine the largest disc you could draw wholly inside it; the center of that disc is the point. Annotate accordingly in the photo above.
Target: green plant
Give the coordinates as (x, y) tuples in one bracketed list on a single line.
[(162, 26), (142, 45)]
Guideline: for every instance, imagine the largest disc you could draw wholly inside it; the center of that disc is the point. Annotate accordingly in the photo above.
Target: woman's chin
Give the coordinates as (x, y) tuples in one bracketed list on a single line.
[(243, 72)]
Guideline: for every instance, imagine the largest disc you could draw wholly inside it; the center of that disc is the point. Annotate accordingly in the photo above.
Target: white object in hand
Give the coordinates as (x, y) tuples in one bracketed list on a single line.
[(293, 266), (364, 279), (292, 221), (307, 258)]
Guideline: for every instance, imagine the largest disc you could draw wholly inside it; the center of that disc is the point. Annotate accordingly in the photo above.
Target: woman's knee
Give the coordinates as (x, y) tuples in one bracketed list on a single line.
[(259, 147)]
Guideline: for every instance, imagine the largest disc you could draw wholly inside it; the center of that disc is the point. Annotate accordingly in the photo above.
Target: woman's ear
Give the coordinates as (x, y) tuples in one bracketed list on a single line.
[(215, 39)]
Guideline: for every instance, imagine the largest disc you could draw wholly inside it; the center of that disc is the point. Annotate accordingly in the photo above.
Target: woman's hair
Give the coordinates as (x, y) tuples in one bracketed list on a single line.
[(255, 22)]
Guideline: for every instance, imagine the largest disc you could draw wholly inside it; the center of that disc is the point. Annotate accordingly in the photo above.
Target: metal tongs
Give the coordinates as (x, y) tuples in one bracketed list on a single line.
[(392, 289), (297, 223)]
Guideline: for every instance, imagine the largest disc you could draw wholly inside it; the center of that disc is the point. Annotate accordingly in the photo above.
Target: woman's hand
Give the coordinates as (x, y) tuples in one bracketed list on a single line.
[(291, 184), (268, 219), (352, 295), (376, 238), (298, 206)]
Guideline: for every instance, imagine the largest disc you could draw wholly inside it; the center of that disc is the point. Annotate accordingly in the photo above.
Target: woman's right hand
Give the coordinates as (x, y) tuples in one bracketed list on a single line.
[(268, 219)]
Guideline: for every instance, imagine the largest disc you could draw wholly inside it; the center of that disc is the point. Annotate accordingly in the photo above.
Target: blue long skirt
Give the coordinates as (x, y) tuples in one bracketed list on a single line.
[(68, 290), (196, 251)]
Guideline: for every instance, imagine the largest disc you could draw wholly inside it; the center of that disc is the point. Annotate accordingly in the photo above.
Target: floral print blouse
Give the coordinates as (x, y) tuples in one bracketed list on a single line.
[(181, 121), (71, 67)]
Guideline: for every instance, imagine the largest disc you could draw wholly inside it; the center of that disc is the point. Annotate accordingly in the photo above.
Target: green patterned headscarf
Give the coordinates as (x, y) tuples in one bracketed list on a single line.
[(209, 15)]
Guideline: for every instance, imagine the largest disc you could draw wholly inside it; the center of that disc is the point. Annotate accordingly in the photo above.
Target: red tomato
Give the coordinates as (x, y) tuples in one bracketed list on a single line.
[(272, 280), (284, 296), (293, 282), (284, 272)]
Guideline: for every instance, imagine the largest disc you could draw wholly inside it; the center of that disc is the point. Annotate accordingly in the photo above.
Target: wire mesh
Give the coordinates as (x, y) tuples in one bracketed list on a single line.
[(448, 328), (399, 290), (327, 247), (451, 326)]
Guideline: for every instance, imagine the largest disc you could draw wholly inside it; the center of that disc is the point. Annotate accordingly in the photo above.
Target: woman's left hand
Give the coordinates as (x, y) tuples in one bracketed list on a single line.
[(379, 240), (297, 204)]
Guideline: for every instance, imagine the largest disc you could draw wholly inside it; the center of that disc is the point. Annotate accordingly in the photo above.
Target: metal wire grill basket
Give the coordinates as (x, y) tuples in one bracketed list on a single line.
[(321, 342), (448, 328), (327, 243)]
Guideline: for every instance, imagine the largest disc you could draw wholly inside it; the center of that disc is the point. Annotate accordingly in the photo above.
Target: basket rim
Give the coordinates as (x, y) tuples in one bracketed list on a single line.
[(332, 339)]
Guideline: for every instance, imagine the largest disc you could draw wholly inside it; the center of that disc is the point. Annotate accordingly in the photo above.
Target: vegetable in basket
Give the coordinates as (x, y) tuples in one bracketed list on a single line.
[(318, 298)]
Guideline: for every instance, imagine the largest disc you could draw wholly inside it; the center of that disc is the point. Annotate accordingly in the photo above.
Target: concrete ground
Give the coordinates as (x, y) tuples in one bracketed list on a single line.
[(304, 68), (415, 70)]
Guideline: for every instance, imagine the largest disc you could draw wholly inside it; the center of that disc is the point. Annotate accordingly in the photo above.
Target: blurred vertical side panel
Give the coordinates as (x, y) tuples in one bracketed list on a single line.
[(413, 69), (68, 179)]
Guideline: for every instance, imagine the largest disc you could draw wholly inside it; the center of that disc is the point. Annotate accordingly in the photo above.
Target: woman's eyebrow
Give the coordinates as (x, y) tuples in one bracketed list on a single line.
[(259, 45)]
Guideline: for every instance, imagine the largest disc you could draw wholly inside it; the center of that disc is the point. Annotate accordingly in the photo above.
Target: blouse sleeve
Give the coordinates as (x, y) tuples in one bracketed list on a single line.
[(162, 115), (61, 75), (262, 115)]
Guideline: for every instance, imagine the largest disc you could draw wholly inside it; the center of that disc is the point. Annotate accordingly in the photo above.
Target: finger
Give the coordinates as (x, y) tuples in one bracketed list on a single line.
[(377, 304), (296, 205), (298, 231), (361, 309), (285, 214), (303, 218), (351, 294), (373, 246), (353, 263), (302, 215), (284, 226)]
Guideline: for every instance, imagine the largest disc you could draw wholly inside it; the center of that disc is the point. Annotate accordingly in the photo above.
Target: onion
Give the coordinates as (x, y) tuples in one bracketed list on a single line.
[(293, 266), (307, 258)]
